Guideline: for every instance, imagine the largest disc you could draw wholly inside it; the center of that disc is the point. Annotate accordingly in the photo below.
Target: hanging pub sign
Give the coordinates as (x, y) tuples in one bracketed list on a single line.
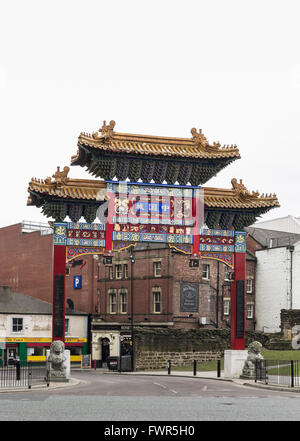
[(189, 297)]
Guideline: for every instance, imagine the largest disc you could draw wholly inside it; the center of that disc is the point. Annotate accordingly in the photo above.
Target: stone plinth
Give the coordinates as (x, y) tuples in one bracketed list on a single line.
[(234, 361)]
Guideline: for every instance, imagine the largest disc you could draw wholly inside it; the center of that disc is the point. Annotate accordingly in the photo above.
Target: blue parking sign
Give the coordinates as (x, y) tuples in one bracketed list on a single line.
[(77, 282)]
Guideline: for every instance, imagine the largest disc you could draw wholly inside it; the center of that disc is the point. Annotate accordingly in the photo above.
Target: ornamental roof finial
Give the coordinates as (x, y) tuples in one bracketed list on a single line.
[(240, 188), (60, 177), (198, 138), (107, 131)]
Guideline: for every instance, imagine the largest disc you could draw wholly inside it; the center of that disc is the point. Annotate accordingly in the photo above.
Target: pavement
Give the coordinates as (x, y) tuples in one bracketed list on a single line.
[(209, 375), (53, 385)]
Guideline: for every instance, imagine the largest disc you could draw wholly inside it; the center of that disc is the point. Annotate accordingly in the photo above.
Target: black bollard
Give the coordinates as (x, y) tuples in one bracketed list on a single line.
[(169, 367), (292, 373), (219, 369), (18, 369), (29, 375), (195, 367)]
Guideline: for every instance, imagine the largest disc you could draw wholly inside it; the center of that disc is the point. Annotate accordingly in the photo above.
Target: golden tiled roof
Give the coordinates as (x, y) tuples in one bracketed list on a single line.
[(195, 147), (238, 197), (63, 187)]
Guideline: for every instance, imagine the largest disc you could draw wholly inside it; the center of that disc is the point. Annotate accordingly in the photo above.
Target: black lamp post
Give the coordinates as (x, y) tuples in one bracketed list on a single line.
[(131, 301)]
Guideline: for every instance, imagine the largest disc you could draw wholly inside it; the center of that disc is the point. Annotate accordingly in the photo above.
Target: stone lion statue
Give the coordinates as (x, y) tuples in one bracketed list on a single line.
[(56, 360), (254, 354)]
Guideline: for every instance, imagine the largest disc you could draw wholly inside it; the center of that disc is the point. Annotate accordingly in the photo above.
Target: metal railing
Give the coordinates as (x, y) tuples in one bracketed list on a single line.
[(194, 367), (23, 375), (278, 372), (29, 227)]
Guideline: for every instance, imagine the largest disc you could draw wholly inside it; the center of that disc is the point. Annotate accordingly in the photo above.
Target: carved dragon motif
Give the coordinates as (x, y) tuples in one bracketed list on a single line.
[(60, 177), (107, 131), (241, 191), (201, 141)]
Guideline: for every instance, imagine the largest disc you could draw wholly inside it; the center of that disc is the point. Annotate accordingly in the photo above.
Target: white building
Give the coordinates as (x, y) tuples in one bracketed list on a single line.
[(277, 275), (287, 224), (26, 328)]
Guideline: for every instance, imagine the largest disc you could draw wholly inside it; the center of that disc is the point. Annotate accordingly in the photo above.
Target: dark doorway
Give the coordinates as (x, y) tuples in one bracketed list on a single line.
[(105, 349), (9, 355)]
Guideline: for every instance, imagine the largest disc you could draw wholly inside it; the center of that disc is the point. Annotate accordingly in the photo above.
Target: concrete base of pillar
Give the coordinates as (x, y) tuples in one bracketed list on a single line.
[(59, 380), (234, 362)]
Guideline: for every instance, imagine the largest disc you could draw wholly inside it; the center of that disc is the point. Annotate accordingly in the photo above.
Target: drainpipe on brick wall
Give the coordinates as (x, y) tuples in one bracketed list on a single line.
[(291, 249)]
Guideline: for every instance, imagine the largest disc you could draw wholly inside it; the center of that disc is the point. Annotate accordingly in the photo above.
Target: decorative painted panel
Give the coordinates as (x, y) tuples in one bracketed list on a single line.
[(60, 233), (214, 232), (216, 240), (73, 252), (240, 241), (90, 238), (227, 258), (135, 203)]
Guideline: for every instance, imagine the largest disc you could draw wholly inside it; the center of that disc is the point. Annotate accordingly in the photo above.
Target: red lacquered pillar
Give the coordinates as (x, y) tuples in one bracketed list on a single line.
[(109, 223), (237, 337), (197, 222), (59, 276)]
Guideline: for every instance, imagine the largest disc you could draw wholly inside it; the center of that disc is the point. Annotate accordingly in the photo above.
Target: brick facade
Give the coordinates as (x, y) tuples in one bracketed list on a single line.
[(144, 284), (26, 266), (175, 275), (26, 262)]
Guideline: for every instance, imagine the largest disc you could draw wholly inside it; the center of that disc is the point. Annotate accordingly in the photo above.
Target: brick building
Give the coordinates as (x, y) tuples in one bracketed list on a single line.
[(26, 266), (167, 291)]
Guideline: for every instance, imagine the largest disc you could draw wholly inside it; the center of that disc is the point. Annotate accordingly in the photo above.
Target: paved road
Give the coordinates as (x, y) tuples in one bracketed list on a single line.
[(113, 397)]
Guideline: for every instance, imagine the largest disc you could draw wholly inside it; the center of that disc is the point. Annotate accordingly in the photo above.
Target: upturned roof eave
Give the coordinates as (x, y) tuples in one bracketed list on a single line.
[(161, 152), (87, 190)]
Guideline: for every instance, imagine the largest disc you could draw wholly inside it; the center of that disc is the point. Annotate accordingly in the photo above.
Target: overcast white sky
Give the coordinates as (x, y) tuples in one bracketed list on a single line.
[(161, 67)]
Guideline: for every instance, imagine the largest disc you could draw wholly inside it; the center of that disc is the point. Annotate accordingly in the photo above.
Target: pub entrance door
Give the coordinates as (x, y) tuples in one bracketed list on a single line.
[(105, 350), (9, 355)]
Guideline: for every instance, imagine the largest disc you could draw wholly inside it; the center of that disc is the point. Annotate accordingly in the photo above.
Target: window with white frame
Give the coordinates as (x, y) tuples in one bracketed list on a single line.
[(205, 271), (112, 301), (157, 269), (249, 286), (17, 324), (156, 295), (118, 269), (123, 296), (249, 310), (125, 268), (36, 351), (226, 306), (111, 272)]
